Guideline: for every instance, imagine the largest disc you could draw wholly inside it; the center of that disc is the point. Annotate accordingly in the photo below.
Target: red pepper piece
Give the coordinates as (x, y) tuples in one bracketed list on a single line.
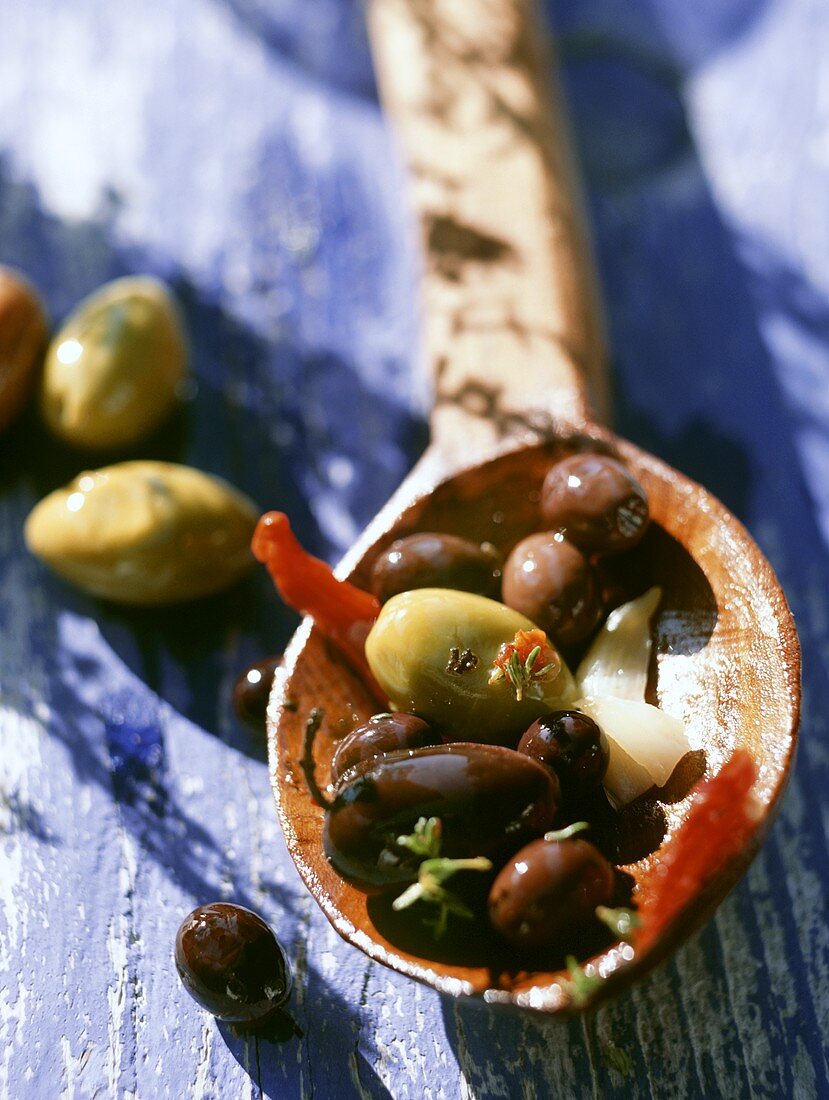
[(343, 612), (722, 818)]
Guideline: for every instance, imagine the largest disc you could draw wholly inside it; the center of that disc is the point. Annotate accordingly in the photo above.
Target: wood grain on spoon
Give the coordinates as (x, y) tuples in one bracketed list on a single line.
[(514, 340)]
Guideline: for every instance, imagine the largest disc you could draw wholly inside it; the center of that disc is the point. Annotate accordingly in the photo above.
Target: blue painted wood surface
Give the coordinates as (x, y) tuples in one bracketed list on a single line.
[(236, 148)]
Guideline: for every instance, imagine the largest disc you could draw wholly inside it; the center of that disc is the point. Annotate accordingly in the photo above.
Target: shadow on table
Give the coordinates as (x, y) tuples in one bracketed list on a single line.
[(248, 422), (333, 1059)]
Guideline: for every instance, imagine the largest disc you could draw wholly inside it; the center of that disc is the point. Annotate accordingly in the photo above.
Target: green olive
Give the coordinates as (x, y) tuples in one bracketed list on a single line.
[(410, 652), (113, 371), (145, 533)]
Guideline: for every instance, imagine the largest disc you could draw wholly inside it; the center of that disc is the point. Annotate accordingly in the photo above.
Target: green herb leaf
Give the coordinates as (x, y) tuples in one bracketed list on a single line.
[(580, 985), (568, 831), (619, 921), (424, 840), (429, 888)]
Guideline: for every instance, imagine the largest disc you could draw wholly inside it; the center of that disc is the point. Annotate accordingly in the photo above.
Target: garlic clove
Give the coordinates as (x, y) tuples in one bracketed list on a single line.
[(616, 664), (637, 734)]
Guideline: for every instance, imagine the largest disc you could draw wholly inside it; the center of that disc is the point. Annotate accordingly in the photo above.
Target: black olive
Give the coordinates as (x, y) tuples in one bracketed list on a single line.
[(434, 560), (489, 801), (550, 581), (251, 692), (596, 501), (548, 890), (231, 963), (572, 745), (381, 734)]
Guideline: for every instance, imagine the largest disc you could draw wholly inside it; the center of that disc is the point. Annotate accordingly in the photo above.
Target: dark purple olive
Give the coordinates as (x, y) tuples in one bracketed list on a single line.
[(489, 800), (381, 734), (550, 581), (434, 560), (548, 890), (251, 692), (598, 503), (572, 745), (231, 963)]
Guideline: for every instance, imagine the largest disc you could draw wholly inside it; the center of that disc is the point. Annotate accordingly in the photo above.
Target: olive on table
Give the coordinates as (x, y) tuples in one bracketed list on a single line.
[(550, 581), (252, 691), (382, 733), (548, 890), (596, 501), (145, 532), (230, 961), (436, 560), (114, 369), (488, 799), (432, 652), (24, 330), (572, 745)]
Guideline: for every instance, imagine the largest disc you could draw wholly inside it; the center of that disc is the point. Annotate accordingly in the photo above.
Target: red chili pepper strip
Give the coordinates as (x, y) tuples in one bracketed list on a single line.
[(343, 612), (721, 819)]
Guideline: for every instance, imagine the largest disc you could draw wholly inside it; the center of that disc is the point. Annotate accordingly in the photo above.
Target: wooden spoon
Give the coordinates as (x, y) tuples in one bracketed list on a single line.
[(515, 343)]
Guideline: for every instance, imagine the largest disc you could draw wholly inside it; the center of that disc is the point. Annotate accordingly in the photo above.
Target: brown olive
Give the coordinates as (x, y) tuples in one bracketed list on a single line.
[(252, 690), (596, 501), (550, 581), (489, 801), (230, 961), (572, 745), (381, 734), (548, 890), (435, 560)]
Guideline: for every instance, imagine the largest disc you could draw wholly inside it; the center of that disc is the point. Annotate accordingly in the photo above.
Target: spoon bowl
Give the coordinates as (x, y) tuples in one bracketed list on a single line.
[(727, 663)]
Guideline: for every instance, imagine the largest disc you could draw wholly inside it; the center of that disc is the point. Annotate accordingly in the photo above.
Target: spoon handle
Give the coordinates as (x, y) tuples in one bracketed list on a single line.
[(513, 327)]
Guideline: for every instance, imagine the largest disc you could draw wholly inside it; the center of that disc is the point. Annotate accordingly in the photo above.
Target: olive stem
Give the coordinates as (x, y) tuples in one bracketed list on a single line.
[(307, 762)]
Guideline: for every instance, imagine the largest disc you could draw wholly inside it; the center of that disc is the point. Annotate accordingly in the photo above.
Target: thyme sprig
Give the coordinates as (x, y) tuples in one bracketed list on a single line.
[(424, 840), (524, 675)]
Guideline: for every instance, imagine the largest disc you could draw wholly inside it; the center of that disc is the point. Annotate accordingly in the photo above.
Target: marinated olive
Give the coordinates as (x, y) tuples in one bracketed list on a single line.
[(113, 370), (24, 329), (144, 532), (252, 691), (231, 963), (381, 734), (550, 581), (432, 652), (489, 800), (572, 745), (434, 560), (596, 501), (549, 889)]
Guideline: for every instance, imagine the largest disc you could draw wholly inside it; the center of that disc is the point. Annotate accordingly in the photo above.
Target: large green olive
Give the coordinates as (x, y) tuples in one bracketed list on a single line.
[(410, 652), (114, 368), (145, 533)]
